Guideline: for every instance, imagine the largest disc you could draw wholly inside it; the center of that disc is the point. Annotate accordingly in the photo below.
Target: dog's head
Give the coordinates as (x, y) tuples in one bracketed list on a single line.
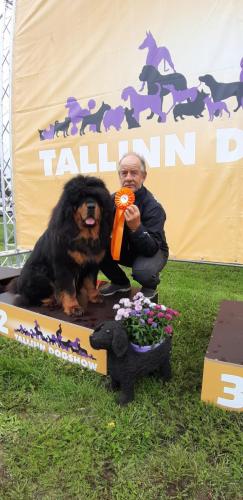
[(110, 335), (149, 74), (207, 79), (85, 204)]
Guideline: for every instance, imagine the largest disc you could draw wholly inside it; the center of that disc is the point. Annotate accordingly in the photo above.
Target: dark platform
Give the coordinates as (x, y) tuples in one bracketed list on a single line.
[(226, 342), (95, 314), (7, 274)]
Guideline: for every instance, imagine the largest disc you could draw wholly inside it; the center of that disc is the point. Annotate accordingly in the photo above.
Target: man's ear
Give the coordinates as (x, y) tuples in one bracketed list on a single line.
[(119, 341)]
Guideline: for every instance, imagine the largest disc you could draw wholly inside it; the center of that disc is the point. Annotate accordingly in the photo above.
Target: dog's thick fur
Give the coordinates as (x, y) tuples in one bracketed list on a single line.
[(64, 263), (124, 364)]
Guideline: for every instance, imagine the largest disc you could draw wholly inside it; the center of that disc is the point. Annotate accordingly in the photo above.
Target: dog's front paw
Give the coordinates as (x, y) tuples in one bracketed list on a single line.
[(75, 311), (124, 399)]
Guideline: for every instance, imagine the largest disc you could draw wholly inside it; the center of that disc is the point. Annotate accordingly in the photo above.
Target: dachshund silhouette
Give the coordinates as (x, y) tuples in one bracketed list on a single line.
[(62, 127), (95, 118)]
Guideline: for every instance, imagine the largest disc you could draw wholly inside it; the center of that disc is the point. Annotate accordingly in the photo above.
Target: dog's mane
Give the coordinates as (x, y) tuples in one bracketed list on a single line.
[(75, 191)]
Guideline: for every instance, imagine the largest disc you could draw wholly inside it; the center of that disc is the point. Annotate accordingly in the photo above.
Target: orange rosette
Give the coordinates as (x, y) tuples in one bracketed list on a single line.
[(123, 198)]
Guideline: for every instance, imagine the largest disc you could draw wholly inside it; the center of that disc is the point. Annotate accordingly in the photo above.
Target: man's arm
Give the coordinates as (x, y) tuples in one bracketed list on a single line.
[(146, 235)]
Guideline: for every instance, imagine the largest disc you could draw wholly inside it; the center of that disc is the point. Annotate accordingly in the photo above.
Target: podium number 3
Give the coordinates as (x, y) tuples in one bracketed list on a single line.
[(3, 321), (236, 390)]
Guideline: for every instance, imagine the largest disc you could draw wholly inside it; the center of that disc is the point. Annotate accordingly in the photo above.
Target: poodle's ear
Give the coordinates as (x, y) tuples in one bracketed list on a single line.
[(98, 327), (119, 341)]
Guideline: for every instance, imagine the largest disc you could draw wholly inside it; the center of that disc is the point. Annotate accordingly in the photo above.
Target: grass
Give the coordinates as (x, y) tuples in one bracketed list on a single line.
[(62, 435)]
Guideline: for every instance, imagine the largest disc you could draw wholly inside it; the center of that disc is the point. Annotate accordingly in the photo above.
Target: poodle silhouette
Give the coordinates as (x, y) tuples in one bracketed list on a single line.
[(76, 113)]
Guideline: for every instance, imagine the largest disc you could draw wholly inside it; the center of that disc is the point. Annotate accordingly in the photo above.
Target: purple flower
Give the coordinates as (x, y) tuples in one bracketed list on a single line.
[(154, 325)]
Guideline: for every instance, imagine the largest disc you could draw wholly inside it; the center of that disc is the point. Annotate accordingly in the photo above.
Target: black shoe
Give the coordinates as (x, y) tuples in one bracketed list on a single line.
[(149, 293), (112, 288)]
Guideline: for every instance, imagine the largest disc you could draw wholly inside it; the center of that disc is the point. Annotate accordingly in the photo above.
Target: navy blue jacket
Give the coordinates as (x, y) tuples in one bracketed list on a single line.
[(150, 235)]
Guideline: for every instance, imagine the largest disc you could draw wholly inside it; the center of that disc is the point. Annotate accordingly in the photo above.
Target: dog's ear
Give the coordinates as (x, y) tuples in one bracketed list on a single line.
[(98, 327), (119, 341)]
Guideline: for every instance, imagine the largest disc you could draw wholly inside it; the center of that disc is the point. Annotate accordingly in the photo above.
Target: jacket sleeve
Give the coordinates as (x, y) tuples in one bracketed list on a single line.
[(148, 238)]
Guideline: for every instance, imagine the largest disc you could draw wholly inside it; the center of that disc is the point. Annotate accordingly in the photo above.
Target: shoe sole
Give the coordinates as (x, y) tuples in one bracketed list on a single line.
[(116, 291)]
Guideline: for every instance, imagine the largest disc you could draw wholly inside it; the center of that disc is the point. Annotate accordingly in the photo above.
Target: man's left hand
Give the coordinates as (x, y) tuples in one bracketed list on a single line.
[(132, 217)]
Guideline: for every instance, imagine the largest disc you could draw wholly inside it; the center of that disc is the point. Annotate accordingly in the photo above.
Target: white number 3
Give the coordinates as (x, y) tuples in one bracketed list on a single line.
[(236, 391)]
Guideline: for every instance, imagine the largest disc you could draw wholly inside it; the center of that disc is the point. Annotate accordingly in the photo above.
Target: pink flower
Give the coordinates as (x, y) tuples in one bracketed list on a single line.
[(168, 329), (150, 321), (160, 315), (168, 316)]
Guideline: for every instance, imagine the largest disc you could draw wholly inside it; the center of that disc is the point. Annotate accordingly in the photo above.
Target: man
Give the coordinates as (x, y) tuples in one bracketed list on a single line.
[(144, 246)]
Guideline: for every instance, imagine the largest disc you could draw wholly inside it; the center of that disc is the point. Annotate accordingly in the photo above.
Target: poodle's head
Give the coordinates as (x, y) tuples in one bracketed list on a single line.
[(111, 336)]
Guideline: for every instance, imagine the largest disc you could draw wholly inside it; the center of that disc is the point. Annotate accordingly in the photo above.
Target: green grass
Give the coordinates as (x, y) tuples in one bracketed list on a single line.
[(62, 435)]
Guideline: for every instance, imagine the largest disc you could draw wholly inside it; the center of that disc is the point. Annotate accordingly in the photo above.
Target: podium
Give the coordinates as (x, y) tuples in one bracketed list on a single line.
[(53, 332), (223, 364)]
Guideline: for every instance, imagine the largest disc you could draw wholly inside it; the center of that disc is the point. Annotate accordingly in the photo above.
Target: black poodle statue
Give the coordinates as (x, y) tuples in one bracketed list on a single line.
[(124, 364)]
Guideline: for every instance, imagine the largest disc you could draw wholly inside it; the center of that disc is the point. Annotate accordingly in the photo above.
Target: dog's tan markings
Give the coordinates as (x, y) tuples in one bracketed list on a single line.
[(49, 302), (70, 304), (92, 292), (78, 257)]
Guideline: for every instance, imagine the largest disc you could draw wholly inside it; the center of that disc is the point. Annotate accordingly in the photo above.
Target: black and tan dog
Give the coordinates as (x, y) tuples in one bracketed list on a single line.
[(64, 263), (124, 364)]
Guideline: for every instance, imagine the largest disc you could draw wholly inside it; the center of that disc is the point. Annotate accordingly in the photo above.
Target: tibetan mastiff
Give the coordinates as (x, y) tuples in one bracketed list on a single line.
[(63, 266)]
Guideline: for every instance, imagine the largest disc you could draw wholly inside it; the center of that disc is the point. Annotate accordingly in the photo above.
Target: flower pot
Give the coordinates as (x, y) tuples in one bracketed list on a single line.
[(146, 348)]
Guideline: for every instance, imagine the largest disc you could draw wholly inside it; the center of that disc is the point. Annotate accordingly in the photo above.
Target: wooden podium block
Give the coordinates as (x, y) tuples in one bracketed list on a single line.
[(223, 364), (54, 332)]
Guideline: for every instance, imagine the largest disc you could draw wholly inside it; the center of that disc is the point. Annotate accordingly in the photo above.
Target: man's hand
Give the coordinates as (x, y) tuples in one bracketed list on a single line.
[(132, 217)]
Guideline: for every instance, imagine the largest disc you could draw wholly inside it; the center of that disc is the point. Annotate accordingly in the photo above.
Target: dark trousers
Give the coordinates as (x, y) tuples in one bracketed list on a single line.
[(145, 270)]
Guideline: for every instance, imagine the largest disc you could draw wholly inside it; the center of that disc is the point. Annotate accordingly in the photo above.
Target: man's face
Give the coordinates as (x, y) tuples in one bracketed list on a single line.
[(130, 173)]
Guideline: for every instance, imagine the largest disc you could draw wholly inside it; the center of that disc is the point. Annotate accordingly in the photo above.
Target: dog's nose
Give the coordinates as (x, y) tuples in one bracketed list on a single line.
[(91, 205)]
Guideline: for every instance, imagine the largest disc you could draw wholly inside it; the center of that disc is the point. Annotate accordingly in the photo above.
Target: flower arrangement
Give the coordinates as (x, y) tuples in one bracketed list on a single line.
[(146, 323)]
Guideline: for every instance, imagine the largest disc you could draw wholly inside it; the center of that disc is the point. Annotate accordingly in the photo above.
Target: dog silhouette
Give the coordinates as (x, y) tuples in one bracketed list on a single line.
[(215, 108), (95, 118), (152, 76), (222, 91), (62, 127), (131, 122), (190, 108), (141, 102)]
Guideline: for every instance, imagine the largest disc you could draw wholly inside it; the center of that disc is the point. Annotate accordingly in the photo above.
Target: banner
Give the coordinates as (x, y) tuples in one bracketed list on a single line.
[(92, 80)]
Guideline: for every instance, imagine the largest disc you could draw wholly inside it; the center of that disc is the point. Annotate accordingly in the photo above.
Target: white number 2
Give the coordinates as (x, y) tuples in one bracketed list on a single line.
[(3, 320), (236, 391)]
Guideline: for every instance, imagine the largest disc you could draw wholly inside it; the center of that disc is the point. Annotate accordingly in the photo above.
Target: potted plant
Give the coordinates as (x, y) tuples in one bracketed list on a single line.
[(147, 324)]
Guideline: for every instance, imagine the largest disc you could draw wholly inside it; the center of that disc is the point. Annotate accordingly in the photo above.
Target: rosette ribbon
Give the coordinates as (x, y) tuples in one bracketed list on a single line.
[(123, 198)]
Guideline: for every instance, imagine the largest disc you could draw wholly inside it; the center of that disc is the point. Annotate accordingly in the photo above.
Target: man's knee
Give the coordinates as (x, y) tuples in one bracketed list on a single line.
[(146, 277), (146, 270)]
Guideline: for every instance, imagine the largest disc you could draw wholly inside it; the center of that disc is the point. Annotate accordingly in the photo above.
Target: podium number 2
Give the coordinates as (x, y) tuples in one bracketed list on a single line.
[(236, 391), (3, 321)]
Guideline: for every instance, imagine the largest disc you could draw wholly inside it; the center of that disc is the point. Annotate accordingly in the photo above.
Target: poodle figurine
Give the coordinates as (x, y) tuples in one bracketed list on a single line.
[(125, 365)]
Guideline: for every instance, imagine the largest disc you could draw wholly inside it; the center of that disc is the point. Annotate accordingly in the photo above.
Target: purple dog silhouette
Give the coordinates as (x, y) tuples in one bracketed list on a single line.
[(140, 102)]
